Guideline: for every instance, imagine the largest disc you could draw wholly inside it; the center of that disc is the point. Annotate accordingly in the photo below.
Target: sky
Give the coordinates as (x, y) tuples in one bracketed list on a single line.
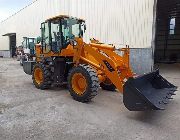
[(9, 7)]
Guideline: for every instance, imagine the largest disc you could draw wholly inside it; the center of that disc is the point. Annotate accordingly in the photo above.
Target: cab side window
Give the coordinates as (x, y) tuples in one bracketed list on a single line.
[(46, 38)]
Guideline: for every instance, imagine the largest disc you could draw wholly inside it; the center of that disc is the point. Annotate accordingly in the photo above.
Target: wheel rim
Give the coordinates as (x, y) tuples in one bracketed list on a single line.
[(38, 76), (79, 83)]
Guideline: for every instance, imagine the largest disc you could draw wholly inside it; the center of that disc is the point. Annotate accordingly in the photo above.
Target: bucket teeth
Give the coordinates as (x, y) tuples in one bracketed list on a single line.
[(174, 90), (169, 97), (171, 93), (165, 102), (161, 98)]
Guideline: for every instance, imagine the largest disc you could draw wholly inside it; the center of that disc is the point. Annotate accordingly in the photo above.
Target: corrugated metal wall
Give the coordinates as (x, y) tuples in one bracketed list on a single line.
[(116, 21)]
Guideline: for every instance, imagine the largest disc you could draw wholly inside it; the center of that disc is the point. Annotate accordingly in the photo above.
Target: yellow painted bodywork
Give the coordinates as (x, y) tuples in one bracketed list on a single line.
[(96, 54)]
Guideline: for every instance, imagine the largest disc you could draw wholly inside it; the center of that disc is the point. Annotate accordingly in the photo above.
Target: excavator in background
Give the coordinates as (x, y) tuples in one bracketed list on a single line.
[(64, 58)]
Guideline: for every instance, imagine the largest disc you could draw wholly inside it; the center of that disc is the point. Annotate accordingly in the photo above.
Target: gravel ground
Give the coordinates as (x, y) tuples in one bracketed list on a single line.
[(29, 113)]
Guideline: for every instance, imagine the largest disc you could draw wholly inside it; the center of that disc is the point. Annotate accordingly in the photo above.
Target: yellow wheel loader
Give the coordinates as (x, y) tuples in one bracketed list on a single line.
[(63, 58)]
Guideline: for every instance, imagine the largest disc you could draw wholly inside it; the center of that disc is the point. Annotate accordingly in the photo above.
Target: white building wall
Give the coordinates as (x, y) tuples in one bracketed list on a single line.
[(111, 21)]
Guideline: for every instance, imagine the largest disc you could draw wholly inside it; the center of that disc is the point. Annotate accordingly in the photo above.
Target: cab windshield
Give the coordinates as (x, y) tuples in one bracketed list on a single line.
[(72, 28), (28, 42)]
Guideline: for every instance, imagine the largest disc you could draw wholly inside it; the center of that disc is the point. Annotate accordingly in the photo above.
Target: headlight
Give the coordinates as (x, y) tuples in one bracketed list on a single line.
[(75, 43)]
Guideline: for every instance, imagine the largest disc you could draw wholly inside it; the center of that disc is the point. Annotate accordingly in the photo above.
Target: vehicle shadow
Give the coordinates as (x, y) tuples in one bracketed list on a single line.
[(153, 117)]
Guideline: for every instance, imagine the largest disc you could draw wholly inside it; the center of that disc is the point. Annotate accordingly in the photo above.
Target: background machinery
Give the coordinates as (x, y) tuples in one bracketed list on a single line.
[(28, 49), (63, 57)]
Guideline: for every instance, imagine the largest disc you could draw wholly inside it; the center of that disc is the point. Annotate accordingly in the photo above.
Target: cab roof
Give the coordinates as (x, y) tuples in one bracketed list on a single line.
[(63, 16), (29, 37)]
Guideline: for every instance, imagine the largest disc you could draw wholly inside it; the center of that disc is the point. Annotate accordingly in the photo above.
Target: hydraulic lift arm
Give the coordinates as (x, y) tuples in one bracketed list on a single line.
[(104, 58)]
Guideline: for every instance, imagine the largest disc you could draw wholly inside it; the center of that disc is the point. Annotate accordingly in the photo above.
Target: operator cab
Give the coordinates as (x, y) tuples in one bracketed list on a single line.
[(28, 44), (60, 31)]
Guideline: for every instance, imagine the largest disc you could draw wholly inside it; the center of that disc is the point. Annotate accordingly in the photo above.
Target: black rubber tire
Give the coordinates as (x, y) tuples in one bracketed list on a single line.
[(47, 82), (21, 64), (108, 87), (21, 61), (92, 82)]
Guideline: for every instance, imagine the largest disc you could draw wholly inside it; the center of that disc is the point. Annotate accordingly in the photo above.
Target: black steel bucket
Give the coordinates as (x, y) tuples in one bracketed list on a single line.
[(147, 92)]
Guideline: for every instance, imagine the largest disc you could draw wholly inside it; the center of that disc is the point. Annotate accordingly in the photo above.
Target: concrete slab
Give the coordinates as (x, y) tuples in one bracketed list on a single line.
[(29, 113)]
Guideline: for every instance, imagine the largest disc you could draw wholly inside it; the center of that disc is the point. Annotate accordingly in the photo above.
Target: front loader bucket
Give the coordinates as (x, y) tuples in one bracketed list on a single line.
[(147, 92)]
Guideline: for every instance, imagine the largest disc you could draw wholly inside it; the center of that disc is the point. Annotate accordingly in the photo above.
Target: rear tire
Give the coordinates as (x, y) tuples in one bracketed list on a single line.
[(109, 86), (41, 76), (87, 89)]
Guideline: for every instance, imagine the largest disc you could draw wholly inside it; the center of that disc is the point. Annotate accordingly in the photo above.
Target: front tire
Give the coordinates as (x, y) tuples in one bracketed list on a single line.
[(22, 59), (83, 83), (41, 76), (21, 62)]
